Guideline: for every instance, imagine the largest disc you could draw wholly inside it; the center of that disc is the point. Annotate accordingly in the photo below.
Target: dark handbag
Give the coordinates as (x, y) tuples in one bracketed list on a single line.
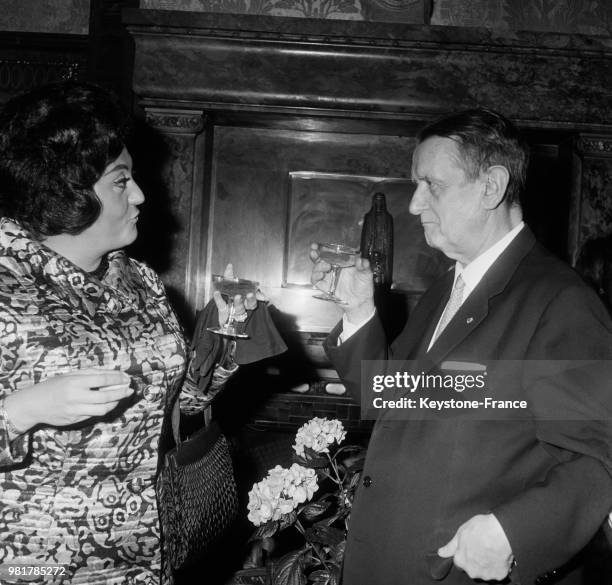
[(197, 493)]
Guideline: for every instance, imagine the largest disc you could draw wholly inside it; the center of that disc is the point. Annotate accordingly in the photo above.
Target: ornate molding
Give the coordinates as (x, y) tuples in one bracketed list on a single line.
[(595, 145), (184, 122), (357, 33), (28, 60), (388, 72), (18, 75)]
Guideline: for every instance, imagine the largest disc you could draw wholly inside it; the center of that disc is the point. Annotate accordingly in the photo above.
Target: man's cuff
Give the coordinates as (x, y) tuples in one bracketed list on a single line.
[(349, 329)]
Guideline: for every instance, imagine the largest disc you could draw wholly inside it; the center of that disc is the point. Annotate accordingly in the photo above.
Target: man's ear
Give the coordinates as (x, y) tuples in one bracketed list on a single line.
[(496, 182)]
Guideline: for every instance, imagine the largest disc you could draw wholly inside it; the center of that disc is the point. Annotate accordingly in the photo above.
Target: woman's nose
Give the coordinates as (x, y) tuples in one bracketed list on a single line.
[(136, 195)]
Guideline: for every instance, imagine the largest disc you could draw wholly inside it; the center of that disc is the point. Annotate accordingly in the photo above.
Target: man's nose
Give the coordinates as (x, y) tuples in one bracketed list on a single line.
[(417, 203)]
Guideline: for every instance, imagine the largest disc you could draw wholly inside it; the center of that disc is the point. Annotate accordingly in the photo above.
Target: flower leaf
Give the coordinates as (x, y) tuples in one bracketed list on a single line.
[(359, 449), (287, 520), (327, 535), (354, 480), (289, 570), (354, 464), (311, 459), (268, 529), (334, 573), (320, 577), (338, 554), (315, 509), (339, 515)]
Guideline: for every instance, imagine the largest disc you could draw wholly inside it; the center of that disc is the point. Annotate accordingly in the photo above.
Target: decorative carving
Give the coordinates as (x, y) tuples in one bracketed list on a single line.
[(356, 33), (595, 145), (187, 121), (596, 212), (382, 69), (45, 16), (22, 75)]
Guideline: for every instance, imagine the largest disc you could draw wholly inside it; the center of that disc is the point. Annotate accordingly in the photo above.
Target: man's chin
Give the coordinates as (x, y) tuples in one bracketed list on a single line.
[(430, 236)]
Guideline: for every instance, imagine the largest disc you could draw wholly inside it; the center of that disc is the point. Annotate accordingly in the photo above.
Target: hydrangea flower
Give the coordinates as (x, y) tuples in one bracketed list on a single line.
[(281, 492), (318, 434)]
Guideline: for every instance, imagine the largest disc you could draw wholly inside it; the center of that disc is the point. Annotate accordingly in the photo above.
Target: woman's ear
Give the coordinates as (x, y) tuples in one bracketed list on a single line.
[(496, 182)]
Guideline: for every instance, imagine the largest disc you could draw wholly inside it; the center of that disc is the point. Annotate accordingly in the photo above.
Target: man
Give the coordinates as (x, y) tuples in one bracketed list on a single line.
[(510, 499)]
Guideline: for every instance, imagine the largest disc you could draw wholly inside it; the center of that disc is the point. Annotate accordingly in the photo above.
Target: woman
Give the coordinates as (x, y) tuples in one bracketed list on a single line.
[(89, 349)]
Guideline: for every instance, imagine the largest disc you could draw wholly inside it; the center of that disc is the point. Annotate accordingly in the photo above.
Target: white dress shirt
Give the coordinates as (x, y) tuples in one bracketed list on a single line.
[(473, 273)]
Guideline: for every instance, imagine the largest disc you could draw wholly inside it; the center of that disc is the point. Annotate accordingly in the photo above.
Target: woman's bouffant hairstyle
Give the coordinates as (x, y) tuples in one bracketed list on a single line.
[(484, 139), (55, 143)]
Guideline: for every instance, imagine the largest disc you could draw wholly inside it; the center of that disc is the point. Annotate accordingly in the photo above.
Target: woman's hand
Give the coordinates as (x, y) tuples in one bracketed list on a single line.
[(67, 399), (240, 306), (355, 285)]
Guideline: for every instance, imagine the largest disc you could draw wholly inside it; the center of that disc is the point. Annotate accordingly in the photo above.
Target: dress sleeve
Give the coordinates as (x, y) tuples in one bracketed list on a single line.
[(12, 359), (210, 360), (211, 364), (12, 452)]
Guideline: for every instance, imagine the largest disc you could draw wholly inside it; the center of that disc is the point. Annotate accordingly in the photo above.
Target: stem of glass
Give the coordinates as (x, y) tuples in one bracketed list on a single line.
[(333, 283), (230, 316)]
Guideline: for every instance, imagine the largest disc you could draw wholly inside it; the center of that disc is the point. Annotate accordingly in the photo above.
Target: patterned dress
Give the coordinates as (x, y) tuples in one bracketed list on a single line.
[(84, 497)]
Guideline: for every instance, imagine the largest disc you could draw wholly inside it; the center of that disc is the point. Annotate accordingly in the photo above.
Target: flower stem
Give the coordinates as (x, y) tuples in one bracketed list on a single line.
[(301, 530), (328, 476), (335, 468)]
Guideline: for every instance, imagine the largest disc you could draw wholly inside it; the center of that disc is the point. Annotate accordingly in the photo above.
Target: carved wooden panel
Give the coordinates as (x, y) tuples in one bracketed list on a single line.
[(45, 16), (169, 161), (594, 206), (376, 69), (30, 60)]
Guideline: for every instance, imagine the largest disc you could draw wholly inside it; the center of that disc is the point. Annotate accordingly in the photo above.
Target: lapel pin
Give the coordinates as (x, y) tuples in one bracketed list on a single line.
[(469, 320)]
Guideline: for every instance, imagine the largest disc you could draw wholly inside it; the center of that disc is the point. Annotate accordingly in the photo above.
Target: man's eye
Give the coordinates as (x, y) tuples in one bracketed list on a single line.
[(434, 187)]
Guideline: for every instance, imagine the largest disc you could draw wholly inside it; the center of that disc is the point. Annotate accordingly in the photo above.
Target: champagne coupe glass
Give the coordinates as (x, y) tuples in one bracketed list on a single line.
[(338, 256), (229, 288)]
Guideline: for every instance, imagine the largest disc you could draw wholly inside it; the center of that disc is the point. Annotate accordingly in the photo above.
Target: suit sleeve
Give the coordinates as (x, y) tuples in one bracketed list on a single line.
[(549, 522), (369, 343)]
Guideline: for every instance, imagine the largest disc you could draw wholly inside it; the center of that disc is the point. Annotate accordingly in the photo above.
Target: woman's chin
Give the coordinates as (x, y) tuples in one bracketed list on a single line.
[(132, 235)]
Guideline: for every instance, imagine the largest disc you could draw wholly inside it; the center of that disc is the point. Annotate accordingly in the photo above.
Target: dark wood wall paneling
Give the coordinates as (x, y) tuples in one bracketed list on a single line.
[(31, 59), (110, 48), (251, 108)]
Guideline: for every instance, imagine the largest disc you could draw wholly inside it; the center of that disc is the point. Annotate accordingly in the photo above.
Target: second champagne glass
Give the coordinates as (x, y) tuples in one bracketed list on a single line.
[(338, 256)]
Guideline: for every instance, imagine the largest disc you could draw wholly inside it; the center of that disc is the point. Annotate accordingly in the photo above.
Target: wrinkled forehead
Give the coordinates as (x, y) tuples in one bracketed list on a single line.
[(436, 153)]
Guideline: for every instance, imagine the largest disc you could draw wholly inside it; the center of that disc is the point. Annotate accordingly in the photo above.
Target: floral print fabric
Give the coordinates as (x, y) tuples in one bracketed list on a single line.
[(84, 497)]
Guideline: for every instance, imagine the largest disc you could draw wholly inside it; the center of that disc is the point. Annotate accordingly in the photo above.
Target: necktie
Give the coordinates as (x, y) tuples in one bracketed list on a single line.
[(454, 302)]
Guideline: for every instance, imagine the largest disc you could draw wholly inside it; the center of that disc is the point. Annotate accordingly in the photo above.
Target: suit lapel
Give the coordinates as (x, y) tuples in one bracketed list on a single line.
[(476, 307), (423, 319)]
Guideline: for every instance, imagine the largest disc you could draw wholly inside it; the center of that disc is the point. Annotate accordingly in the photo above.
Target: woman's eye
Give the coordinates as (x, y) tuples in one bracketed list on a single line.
[(122, 182)]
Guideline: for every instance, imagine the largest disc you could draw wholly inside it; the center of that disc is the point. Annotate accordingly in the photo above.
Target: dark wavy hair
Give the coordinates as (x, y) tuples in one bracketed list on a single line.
[(55, 143), (485, 138)]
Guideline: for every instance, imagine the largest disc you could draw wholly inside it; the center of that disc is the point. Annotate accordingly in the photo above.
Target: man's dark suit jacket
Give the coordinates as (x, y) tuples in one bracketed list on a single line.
[(547, 482)]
